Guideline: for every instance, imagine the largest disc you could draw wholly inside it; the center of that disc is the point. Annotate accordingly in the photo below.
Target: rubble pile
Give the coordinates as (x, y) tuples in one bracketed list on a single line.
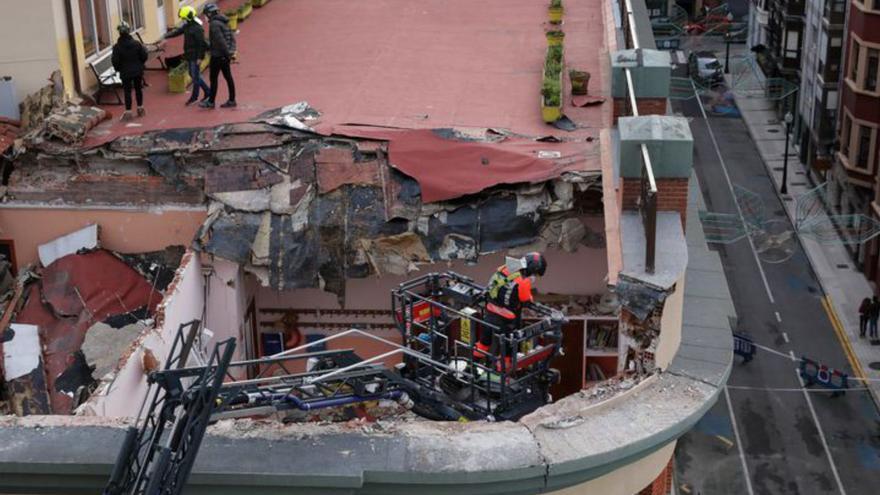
[(67, 322)]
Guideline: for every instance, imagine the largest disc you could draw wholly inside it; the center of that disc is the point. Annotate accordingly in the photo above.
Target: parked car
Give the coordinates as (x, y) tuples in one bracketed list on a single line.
[(705, 69)]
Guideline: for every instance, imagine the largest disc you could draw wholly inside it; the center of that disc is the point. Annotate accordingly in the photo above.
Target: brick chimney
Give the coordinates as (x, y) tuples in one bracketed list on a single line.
[(671, 147), (651, 71)]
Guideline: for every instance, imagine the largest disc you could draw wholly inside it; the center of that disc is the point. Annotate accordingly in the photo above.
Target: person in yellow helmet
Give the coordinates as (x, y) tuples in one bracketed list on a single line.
[(194, 48)]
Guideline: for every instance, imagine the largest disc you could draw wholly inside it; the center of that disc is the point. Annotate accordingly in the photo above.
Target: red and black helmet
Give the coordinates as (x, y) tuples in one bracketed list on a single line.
[(535, 264)]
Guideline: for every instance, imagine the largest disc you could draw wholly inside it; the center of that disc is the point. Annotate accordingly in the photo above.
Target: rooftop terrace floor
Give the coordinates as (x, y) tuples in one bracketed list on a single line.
[(427, 64)]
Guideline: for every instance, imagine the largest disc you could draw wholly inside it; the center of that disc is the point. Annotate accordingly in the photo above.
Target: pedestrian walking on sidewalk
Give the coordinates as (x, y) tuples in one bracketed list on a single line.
[(194, 48), (864, 311), (223, 50), (129, 57), (872, 318)]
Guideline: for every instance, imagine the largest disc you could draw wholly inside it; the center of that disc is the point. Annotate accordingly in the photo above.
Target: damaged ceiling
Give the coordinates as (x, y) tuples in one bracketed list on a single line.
[(300, 209), (319, 210)]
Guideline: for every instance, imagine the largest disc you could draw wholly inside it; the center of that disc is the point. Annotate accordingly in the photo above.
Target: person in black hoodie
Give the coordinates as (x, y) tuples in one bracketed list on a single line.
[(222, 41), (129, 57), (194, 48)]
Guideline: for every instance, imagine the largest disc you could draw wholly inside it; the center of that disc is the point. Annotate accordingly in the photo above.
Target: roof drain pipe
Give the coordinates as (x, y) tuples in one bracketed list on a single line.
[(71, 41)]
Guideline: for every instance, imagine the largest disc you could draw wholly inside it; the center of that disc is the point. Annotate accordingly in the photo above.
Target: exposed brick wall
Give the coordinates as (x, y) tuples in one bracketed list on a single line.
[(112, 190), (662, 485), (647, 106), (672, 195)]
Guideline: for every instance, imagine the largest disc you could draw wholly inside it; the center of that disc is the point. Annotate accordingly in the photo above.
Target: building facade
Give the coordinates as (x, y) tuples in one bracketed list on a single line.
[(820, 75), (759, 16), (38, 38), (854, 185), (785, 28)]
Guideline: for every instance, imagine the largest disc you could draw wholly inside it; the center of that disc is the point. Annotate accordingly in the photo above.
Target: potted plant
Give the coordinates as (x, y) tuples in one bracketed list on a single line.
[(232, 15), (551, 100), (555, 37), (245, 10), (580, 81), (551, 87), (555, 11), (178, 79), (259, 3)]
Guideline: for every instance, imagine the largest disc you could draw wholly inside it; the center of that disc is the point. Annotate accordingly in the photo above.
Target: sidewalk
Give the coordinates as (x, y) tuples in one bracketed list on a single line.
[(844, 286)]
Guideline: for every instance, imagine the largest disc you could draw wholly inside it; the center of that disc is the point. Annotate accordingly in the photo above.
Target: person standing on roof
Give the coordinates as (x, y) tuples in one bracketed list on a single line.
[(509, 288), (128, 58), (194, 48), (223, 50)]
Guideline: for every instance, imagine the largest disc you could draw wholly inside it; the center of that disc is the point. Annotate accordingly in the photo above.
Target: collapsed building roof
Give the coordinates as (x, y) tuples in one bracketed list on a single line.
[(302, 209), (53, 310)]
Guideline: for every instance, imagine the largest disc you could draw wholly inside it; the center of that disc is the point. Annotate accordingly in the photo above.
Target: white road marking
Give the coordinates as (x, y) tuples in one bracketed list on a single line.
[(778, 318), (821, 435), (739, 444), (791, 353), (785, 337), (732, 193)]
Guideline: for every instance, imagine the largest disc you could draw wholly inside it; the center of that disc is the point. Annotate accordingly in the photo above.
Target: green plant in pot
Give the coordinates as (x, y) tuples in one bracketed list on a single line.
[(555, 37), (555, 11), (580, 81), (232, 15), (245, 11)]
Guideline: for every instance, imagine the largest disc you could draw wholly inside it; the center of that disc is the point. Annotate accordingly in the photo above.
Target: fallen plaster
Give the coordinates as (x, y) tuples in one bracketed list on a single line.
[(83, 239), (21, 351), (104, 346)]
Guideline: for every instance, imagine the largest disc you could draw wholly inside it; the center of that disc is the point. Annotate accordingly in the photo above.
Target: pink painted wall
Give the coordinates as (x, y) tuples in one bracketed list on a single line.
[(183, 302), (127, 231), (229, 293)]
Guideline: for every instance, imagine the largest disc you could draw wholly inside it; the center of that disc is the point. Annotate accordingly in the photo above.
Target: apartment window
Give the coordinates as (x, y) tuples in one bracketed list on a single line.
[(863, 151), (132, 13), (854, 60), (792, 39), (871, 66), (845, 132), (95, 26)]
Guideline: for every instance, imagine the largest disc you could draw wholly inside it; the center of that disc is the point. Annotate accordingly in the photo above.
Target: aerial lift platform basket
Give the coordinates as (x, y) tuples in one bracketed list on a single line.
[(445, 376)]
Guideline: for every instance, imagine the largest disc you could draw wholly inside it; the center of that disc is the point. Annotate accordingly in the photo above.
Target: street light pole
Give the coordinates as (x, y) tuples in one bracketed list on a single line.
[(727, 53), (727, 44), (788, 119)]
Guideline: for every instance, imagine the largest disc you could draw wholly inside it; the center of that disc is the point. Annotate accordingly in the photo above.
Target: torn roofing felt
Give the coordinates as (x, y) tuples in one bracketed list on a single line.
[(74, 293), (448, 166)]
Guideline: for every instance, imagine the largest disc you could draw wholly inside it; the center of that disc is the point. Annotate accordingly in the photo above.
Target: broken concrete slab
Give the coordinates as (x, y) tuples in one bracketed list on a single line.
[(84, 239), (104, 346)]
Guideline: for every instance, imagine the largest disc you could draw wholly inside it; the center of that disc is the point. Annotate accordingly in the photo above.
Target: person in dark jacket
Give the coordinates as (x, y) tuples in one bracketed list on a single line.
[(129, 57), (872, 319), (223, 48), (194, 48), (864, 314)]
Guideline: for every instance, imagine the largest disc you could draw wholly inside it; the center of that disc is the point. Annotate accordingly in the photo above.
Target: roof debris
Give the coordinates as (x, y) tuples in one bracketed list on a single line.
[(73, 315)]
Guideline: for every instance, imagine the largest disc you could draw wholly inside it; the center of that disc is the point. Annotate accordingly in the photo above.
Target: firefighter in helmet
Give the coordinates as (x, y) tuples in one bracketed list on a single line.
[(510, 287)]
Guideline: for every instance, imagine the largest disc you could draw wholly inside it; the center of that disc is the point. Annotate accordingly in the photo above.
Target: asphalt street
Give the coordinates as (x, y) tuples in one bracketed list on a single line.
[(767, 435)]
